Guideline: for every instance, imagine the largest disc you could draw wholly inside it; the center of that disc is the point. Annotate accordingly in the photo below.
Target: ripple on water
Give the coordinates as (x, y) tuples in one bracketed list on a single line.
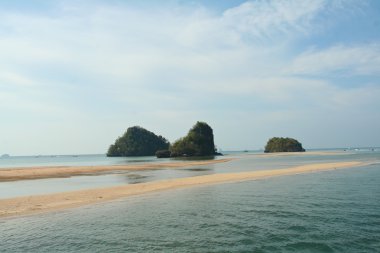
[(309, 247), (277, 215)]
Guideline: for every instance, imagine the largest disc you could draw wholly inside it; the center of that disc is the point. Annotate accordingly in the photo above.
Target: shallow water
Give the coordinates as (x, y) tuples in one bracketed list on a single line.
[(245, 162), (335, 211), (332, 211), (87, 160), (73, 160)]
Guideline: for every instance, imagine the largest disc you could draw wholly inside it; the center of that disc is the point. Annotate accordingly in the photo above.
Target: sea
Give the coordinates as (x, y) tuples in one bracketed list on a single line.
[(330, 211)]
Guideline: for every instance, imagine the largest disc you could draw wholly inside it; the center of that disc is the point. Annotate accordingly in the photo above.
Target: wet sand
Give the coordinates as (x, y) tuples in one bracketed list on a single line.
[(59, 201), (15, 174)]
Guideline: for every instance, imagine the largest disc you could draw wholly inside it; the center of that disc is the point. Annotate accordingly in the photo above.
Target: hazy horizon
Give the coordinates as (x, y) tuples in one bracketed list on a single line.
[(76, 74), (240, 150)]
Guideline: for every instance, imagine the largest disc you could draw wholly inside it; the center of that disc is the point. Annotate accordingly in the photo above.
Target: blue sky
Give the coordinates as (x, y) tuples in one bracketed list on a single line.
[(74, 75)]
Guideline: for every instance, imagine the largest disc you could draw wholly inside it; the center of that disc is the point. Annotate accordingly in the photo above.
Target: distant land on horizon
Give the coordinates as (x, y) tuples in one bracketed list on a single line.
[(242, 150)]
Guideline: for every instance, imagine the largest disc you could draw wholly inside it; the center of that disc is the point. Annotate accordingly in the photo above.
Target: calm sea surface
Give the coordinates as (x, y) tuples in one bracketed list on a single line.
[(333, 211)]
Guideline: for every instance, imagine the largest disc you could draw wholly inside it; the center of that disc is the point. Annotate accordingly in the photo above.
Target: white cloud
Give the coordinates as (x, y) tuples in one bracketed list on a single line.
[(263, 18), (260, 21), (348, 60), (136, 46)]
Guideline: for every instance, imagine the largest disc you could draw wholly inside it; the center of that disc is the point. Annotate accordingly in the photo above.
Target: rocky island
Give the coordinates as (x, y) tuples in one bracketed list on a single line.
[(280, 144), (198, 142), (138, 141)]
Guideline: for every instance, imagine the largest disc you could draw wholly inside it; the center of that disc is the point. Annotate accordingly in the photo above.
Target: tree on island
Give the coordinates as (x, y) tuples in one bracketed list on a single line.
[(198, 142), (279, 144), (137, 141)]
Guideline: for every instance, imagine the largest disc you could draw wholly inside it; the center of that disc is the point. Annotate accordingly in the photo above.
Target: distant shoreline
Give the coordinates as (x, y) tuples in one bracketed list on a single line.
[(306, 153), (59, 201)]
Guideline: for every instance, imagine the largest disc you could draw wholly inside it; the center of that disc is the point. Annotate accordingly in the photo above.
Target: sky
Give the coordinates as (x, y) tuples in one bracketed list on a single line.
[(74, 75)]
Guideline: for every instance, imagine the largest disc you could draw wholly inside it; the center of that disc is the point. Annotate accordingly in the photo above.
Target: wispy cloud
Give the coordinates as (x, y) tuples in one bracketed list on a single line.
[(344, 60), (264, 18), (256, 21)]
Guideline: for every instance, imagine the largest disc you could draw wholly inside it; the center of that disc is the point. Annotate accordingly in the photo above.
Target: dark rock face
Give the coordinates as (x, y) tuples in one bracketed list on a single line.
[(279, 144), (163, 154), (137, 141)]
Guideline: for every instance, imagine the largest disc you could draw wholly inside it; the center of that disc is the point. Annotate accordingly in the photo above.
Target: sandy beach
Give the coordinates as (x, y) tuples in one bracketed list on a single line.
[(59, 201), (14, 174)]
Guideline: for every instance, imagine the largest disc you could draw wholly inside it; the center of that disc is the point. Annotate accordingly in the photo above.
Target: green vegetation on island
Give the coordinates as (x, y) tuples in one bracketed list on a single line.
[(280, 144), (198, 142), (137, 141)]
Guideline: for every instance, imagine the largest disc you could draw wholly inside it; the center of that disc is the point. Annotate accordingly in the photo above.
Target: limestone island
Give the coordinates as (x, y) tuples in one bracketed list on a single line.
[(138, 141), (280, 144)]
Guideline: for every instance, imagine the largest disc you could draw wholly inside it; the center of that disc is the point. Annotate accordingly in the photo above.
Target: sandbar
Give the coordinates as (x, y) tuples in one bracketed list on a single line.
[(27, 173), (58, 201)]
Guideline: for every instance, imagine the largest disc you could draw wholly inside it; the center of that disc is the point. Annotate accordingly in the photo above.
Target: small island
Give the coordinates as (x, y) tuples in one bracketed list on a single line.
[(137, 141), (280, 144)]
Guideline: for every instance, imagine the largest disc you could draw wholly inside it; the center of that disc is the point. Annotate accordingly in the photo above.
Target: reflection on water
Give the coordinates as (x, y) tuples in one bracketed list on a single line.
[(136, 178), (198, 169), (196, 158), (139, 161), (116, 178)]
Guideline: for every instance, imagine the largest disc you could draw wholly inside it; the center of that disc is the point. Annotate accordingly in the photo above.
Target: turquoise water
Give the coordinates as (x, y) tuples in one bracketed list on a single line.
[(333, 211)]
